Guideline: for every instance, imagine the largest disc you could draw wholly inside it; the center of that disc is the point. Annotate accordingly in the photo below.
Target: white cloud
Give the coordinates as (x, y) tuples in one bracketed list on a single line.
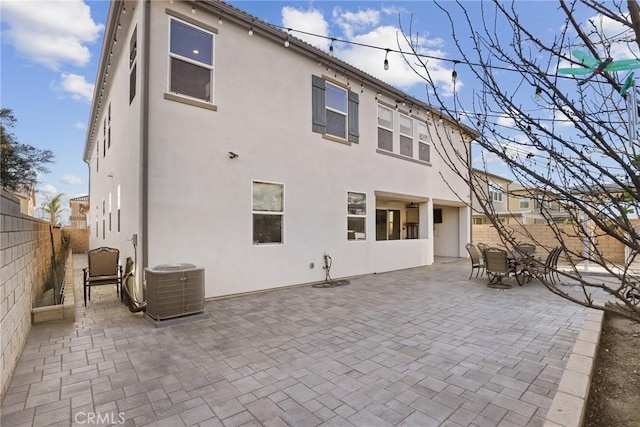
[(401, 73), (71, 179), (505, 121), (310, 21), (350, 22), (80, 125), (77, 86), (48, 190), (51, 33)]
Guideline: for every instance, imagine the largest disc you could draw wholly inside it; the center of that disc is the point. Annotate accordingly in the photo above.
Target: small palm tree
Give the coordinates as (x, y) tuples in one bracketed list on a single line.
[(53, 207)]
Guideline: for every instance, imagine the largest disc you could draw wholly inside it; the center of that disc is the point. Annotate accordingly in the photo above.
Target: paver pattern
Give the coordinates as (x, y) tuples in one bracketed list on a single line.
[(418, 347)]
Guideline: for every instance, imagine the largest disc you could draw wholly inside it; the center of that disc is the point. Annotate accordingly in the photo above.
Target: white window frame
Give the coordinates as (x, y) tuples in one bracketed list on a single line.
[(409, 135), (342, 113), (383, 126), (424, 141), (259, 212), (495, 192), (210, 67), (524, 203), (364, 216)]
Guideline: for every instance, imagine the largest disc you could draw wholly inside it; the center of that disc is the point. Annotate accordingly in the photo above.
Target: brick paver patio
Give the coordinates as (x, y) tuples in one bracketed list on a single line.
[(419, 347)]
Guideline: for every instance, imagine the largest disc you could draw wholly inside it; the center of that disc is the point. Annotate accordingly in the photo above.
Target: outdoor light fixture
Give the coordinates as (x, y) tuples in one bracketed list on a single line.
[(331, 47), (250, 30), (538, 93), (454, 76), (220, 20), (193, 9), (286, 41), (386, 61)]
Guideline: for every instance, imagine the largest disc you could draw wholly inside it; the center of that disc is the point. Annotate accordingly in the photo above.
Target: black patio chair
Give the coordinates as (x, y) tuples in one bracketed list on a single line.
[(103, 269)]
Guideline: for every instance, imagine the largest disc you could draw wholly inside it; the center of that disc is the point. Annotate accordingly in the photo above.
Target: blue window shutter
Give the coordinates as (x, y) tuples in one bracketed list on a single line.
[(318, 108), (353, 117)]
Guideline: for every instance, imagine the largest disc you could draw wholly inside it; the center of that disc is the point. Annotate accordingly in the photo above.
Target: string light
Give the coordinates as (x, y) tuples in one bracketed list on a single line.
[(193, 9), (220, 21), (411, 53), (538, 93), (286, 42), (386, 61), (251, 29)]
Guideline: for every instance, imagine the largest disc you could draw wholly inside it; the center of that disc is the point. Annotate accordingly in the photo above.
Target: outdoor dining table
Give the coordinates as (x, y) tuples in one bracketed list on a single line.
[(521, 265)]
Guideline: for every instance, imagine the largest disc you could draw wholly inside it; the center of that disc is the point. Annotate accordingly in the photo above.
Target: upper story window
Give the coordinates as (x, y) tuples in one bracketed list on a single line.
[(406, 135), (495, 192), (385, 128), (336, 99), (334, 110), (424, 147), (190, 61), (524, 203)]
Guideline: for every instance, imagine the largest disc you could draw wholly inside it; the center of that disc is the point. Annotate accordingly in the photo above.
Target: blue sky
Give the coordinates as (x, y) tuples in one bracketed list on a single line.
[(51, 49)]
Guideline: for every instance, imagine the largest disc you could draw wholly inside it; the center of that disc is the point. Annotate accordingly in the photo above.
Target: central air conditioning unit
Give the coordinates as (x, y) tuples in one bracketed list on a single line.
[(174, 291)]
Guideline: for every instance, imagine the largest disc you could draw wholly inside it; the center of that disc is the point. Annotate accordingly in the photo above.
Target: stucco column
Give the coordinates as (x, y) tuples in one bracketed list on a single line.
[(426, 228)]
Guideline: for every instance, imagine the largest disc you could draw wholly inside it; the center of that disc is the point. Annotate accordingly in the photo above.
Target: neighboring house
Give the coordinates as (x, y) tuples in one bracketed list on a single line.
[(513, 203), (254, 158), (27, 199), (79, 209), (493, 191), (535, 206)]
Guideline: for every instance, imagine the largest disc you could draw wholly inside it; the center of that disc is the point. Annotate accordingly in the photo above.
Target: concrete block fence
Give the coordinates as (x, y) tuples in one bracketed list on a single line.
[(25, 257)]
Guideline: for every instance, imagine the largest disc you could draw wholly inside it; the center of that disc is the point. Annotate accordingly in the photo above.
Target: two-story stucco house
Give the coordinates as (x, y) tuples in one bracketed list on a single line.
[(219, 140), (513, 203)]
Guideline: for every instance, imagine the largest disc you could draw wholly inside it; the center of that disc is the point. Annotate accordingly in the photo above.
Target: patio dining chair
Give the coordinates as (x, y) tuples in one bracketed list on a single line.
[(497, 267), (526, 248), (477, 260), (549, 269), (103, 269)]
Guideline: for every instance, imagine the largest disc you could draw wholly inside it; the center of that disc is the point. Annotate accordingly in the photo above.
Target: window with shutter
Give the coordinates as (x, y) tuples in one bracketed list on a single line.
[(335, 110)]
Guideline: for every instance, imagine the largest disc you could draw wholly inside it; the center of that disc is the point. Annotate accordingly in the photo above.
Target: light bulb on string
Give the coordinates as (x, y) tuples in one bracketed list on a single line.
[(386, 61), (286, 41), (331, 47), (538, 93)]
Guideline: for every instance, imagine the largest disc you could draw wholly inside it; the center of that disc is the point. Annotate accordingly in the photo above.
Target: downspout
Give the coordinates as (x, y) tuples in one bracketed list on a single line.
[(144, 146)]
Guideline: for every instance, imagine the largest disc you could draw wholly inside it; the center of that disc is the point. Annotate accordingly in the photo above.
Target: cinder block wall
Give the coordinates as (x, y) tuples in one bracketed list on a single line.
[(78, 239), (612, 249), (25, 257)]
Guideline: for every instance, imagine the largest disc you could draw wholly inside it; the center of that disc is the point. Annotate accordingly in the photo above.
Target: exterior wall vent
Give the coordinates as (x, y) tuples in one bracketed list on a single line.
[(174, 291)]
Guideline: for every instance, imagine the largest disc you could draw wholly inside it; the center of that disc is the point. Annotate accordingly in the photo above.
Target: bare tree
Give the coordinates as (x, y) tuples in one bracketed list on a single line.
[(568, 135)]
